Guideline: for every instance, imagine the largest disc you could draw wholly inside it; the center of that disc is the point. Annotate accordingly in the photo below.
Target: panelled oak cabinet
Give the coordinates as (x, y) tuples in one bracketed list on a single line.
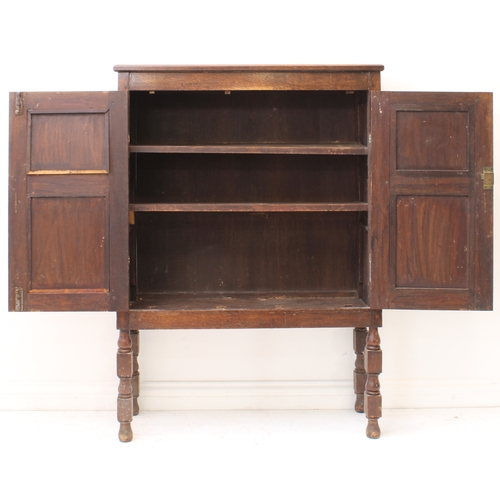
[(250, 197)]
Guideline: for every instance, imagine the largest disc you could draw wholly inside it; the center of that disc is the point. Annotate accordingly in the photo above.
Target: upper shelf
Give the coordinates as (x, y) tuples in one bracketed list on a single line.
[(318, 149)]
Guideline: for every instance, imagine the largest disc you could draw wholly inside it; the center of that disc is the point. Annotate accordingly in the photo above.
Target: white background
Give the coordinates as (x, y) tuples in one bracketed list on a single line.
[(67, 360)]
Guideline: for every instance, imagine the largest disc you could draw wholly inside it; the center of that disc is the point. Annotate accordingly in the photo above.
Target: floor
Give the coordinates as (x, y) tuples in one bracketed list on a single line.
[(424, 454)]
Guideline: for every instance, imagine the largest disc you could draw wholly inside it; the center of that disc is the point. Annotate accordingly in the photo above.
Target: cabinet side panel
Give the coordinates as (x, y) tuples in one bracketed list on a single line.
[(118, 200), (378, 201), (483, 151)]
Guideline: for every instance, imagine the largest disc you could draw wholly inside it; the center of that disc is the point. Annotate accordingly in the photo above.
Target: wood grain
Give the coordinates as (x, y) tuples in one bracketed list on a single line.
[(68, 168), (223, 251), (350, 77), (247, 179), (266, 118), (433, 245), (261, 149), (249, 310)]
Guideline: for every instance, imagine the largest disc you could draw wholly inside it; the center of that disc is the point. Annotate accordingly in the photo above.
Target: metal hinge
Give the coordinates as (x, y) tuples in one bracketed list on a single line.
[(19, 297), (19, 103), (487, 177)]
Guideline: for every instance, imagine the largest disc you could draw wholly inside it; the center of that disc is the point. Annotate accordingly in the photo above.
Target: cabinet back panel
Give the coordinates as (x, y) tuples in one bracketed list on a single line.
[(211, 178), (240, 252), (242, 117)]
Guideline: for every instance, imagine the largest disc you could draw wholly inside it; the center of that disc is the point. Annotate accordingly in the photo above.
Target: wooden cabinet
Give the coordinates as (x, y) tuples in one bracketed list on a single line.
[(238, 197)]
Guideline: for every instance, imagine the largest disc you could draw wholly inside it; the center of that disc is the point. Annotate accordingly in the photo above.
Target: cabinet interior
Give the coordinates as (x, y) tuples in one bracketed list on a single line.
[(249, 196), (247, 117)]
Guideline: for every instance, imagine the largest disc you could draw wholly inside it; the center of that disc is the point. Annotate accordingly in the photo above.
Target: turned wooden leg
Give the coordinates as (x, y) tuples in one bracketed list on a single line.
[(373, 367), (136, 379), (359, 340), (125, 392)]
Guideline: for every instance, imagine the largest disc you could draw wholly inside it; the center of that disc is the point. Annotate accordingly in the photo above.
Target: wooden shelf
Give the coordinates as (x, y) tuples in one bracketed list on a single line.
[(182, 301), (249, 207), (318, 149), (249, 310)]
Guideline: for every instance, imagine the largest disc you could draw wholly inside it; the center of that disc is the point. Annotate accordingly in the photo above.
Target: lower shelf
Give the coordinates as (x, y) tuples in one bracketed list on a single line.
[(248, 310)]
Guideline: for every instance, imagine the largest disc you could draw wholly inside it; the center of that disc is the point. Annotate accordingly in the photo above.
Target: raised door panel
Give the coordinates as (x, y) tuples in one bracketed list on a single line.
[(69, 141), (69, 243), (68, 201), (430, 210)]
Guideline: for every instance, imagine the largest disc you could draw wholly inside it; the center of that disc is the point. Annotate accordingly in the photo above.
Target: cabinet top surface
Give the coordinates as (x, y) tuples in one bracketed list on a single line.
[(254, 68)]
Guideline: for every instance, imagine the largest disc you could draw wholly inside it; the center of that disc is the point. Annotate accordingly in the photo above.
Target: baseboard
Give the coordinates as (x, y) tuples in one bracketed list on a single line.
[(252, 395), (59, 396), (441, 393), (248, 395)]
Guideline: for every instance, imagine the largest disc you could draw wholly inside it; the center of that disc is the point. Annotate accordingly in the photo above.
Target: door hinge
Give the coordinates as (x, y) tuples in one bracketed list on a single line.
[(19, 294), (19, 103), (487, 177)]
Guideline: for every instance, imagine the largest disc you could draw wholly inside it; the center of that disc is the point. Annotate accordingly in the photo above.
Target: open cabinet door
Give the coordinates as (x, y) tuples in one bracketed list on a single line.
[(431, 201), (68, 201)]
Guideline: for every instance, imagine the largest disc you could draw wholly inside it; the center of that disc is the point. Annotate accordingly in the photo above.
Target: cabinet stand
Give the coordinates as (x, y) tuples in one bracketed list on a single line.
[(250, 197)]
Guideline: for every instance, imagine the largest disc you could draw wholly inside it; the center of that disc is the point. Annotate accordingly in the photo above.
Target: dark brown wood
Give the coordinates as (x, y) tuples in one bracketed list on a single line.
[(249, 81), (67, 249), (276, 149), (72, 186), (438, 140), (250, 77), (436, 258), (359, 341), (136, 377), (432, 241), (123, 78), (373, 368), (249, 207), (256, 122), (299, 68), (82, 141), (271, 179), (66, 210), (118, 202), (246, 252), (248, 310), (250, 197), (125, 389)]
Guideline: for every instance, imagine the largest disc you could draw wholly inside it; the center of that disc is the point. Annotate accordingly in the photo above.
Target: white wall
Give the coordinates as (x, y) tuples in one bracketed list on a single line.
[(67, 360)]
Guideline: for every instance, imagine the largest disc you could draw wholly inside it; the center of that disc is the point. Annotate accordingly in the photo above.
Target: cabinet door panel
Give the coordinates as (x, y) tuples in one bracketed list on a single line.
[(433, 254), (69, 243), (69, 141), (431, 238), (68, 201)]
